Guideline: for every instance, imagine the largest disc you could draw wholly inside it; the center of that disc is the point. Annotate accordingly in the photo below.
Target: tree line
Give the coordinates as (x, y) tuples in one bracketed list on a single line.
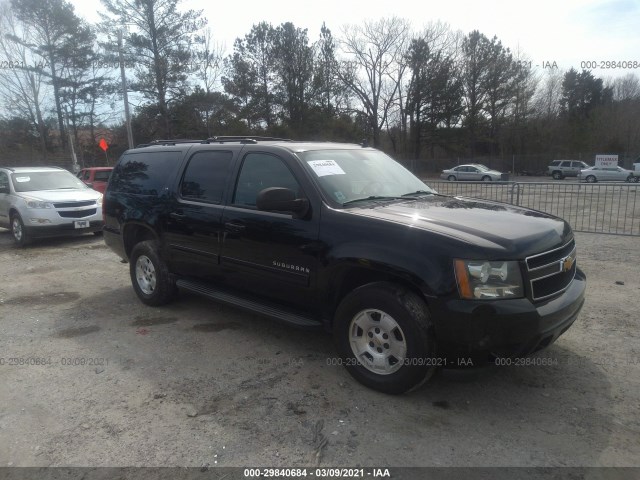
[(427, 95)]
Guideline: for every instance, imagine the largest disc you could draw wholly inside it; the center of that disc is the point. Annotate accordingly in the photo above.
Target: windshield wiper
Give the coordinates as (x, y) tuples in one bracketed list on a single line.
[(418, 192), (372, 197)]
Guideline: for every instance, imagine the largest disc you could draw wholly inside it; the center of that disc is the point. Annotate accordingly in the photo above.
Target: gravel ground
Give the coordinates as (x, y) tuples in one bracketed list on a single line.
[(197, 383)]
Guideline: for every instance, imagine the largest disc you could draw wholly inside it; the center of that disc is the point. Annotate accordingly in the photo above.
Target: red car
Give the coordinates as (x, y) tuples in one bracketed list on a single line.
[(96, 177)]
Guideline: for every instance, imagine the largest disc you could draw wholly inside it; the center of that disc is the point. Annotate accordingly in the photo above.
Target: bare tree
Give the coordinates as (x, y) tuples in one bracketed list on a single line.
[(374, 67), (547, 98), (23, 91)]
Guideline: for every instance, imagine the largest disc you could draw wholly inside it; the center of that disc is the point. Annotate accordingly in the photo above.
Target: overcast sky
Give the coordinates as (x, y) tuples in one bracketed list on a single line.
[(567, 32)]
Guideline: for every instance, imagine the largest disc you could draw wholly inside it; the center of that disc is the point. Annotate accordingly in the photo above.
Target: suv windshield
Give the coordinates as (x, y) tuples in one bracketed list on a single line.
[(348, 175), (35, 181)]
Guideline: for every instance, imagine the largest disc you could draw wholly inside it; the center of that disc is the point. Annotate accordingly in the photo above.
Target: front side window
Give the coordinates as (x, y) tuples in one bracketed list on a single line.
[(260, 171), (205, 176)]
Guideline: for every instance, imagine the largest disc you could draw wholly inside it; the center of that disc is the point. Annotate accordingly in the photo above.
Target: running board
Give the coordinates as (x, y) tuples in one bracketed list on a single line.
[(267, 309)]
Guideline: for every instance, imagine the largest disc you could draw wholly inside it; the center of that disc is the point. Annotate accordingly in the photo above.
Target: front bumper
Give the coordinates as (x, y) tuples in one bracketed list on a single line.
[(504, 328), (43, 231)]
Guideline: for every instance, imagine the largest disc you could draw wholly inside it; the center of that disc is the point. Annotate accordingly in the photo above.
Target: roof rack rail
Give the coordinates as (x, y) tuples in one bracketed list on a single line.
[(167, 142), (244, 139)]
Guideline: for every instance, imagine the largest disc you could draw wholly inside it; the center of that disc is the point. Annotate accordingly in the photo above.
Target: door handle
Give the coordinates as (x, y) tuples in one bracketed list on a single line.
[(234, 227), (177, 216)]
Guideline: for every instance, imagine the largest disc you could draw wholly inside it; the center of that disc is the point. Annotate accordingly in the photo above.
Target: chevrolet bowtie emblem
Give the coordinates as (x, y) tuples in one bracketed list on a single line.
[(566, 264)]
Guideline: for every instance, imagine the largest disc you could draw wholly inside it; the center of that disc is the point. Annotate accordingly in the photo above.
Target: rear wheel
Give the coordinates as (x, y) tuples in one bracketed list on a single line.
[(590, 179), (451, 178), (20, 235), (382, 334), (150, 275), (486, 178), (557, 175)]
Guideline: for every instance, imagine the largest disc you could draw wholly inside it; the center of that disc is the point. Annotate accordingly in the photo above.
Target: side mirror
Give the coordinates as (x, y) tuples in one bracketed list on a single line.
[(280, 199)]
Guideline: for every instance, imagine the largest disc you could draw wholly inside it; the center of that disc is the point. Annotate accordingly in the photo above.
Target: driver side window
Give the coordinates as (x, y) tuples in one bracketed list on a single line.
[(260, 171)]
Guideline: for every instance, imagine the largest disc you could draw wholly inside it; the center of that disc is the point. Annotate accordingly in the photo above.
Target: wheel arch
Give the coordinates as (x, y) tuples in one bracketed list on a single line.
[(134, 233), (349, 276)]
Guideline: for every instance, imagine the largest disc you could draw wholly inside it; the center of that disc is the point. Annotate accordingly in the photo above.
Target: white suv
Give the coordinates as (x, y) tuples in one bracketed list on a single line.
[(47, 202)]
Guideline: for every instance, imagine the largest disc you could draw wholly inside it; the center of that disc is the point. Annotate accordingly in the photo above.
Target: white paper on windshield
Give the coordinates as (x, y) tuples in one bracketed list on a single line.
[(325, 167), (22, 179)]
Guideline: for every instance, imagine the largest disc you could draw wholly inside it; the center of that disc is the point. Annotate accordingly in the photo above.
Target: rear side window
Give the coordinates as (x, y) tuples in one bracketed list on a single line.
[(102, 175), (145, 173), (555, 163), (205, 176)]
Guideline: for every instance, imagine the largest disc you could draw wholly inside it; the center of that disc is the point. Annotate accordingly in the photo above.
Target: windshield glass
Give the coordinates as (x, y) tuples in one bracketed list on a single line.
[(347, 175), (35, 181)]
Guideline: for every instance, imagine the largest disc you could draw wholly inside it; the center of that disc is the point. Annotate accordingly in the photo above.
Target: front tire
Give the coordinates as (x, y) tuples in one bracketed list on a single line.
[(451, 178), (590, 179), (150, 275), (383, 335), (20, 235)]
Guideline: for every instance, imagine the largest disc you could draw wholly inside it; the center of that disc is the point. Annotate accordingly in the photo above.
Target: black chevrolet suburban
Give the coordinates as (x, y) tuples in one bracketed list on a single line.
[(342, 237)]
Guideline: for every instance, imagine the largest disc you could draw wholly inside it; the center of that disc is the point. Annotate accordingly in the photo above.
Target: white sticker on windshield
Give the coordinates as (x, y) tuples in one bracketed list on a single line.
[(326, 167), (22, 179)]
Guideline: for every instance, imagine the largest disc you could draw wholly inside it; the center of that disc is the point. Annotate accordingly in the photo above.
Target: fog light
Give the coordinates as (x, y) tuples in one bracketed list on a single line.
[(40, 220)]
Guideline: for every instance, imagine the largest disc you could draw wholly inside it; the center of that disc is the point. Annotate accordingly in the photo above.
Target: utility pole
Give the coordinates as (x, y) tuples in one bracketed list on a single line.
[(124, 91)]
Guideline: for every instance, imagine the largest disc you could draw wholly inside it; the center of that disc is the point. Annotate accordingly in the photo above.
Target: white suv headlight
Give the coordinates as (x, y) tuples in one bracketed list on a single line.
[(33, 203), (480, 279)]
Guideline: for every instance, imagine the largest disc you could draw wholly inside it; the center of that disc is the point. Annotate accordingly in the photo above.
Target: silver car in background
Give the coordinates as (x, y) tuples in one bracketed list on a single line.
[(47, 202), (473, 172), (605, 174)]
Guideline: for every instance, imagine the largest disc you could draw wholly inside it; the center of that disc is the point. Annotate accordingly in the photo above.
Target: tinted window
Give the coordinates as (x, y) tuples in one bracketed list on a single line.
[(555, 163), (102, 175), (4, 180), (144, 173), (260, 171), (566, 164), (577, 164), (205, 176)]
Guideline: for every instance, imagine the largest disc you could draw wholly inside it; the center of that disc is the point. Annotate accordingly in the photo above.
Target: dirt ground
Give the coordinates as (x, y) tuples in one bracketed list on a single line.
[(89, 376)]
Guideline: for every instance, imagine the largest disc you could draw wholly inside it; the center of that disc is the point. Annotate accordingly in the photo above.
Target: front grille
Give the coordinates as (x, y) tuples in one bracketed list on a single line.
[(550, 273), (78, 213), (84, 203)]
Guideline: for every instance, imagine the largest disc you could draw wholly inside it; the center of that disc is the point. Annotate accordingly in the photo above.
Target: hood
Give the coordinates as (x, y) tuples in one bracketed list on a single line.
[(74, 195), (480, 223)]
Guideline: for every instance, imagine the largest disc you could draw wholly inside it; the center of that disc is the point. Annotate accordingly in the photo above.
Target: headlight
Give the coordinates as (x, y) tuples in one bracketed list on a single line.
[(99, 201), (478, 279), (38, 204)]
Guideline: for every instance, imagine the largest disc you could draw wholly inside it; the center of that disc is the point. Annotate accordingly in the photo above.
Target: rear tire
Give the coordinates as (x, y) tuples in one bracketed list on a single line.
[(486, 178), (20, 235), (383, 336), (150, 275), (557, 175)]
